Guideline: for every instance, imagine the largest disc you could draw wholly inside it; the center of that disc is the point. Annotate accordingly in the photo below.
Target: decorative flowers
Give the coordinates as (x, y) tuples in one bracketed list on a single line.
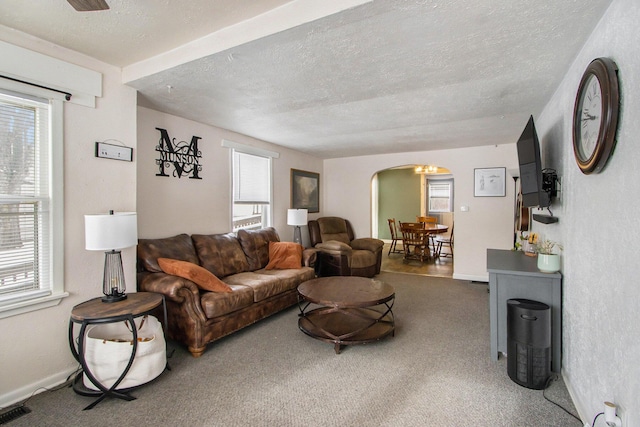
[(546, 247)]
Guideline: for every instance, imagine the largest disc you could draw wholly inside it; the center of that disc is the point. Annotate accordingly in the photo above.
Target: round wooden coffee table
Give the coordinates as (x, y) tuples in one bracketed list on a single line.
[(346, 310)]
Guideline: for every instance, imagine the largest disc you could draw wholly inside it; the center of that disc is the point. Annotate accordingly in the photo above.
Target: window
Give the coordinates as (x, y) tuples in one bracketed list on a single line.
[(440, 195), (30, 208), (251, 190)]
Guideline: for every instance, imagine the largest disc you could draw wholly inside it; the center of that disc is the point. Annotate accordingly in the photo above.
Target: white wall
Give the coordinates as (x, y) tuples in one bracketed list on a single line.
[(598, 220), (35, 349), (169, 205), (600, 232), (487, 224)]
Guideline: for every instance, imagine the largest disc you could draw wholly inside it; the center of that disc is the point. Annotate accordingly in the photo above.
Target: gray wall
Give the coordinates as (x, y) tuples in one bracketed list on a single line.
[(398, 197), (599, 230)]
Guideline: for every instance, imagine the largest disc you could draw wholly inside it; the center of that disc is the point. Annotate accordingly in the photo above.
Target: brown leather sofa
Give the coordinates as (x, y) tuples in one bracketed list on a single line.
[(197, 317), (340, 253)]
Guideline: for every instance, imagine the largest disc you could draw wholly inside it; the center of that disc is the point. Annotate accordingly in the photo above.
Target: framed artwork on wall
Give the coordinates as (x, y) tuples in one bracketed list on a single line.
[(490, 182), (305, 190)]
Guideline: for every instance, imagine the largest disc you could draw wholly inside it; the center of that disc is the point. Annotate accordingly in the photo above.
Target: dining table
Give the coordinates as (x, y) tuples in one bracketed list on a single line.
[(435, 228), (428, 229)]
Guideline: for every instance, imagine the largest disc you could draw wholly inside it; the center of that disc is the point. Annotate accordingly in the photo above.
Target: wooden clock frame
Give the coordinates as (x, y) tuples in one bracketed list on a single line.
[(605, 70)]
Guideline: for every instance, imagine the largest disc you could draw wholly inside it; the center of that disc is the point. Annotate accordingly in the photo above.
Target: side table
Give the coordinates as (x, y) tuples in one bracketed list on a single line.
[(95, 311), (512, 274)]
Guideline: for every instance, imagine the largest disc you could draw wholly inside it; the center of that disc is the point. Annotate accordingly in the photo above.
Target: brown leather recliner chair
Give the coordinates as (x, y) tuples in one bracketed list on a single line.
[(339, 253)]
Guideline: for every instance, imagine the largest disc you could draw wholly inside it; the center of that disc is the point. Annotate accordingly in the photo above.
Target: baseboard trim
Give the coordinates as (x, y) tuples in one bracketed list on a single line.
[(574, 398), (22, 393), (471, 277)]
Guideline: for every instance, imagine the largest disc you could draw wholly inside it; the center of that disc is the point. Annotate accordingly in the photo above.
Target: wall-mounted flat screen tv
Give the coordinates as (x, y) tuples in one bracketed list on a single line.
[(531, 168)]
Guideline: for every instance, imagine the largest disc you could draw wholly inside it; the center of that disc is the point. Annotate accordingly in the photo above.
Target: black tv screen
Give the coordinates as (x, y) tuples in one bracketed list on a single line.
[(531, 168)]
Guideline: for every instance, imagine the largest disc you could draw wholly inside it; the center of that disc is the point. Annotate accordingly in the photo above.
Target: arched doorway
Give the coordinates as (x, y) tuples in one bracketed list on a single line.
[(405, 192)]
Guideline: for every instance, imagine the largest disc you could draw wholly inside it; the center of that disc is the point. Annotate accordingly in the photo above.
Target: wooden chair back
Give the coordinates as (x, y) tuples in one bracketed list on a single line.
[(444, 241), (415, 240), (415, 225), (427, 219), (393, 228), (395, 237)]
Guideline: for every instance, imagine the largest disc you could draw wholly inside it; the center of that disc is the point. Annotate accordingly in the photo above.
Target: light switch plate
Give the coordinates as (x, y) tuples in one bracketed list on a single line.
[(116, 152)]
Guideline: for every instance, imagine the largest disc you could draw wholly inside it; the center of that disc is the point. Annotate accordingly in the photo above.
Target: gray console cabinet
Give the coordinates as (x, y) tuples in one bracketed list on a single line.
[(512, 274)]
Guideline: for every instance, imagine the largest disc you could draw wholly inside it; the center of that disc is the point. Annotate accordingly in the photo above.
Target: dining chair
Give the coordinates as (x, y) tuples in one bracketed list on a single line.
[(393, 228), (445, 241), (415, 241), (429, 220)]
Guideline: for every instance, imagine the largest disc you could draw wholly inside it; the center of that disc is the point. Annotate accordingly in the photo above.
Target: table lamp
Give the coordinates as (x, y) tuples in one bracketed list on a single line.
[(297, 217), (110, 233)]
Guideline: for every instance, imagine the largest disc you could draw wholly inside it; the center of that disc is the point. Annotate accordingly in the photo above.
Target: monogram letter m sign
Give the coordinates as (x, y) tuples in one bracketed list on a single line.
[(183, 156)]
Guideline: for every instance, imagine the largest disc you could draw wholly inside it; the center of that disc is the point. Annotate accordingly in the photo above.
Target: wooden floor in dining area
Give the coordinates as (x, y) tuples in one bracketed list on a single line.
[(394, 262)]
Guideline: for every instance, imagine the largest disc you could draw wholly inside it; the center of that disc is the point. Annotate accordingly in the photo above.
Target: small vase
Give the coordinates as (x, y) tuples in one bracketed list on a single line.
[(549, 263), (529, 249)]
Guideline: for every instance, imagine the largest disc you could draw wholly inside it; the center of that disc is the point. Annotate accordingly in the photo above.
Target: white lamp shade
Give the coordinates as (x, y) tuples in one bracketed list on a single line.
[(107, 232), (297, 217)]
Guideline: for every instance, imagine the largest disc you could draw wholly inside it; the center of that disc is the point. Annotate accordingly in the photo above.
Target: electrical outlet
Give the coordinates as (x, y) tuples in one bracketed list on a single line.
[(610, 416)]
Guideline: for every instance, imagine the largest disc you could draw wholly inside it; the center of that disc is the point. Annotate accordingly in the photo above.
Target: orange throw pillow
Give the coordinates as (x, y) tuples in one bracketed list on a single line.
[(283, 255), (199, 275)]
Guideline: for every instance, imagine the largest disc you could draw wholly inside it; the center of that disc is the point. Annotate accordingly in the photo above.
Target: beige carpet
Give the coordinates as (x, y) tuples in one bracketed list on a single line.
[(436, 371)]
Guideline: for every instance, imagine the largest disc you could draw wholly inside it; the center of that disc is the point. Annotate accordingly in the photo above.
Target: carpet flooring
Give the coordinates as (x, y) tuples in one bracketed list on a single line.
[(435, 371)]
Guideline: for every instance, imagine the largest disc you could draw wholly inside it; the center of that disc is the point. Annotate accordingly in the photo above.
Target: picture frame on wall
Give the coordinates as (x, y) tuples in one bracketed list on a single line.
[(490, 182), (305, 190)]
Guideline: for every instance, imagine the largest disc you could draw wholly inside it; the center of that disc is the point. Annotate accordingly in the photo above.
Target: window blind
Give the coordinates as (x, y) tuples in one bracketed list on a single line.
[(439, 190), (24, 197), (440, 195), (251, 179)]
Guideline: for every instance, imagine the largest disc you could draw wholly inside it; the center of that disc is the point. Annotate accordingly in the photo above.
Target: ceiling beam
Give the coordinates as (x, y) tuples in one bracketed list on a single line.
[(290, 15)]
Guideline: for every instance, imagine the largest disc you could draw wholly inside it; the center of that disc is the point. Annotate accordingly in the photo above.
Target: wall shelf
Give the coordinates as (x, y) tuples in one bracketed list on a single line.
[(545, 219)]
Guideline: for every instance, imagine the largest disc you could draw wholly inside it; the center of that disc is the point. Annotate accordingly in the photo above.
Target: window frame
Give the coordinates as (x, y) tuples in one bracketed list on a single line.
[(448, 181), (55, 291), (254, 151)]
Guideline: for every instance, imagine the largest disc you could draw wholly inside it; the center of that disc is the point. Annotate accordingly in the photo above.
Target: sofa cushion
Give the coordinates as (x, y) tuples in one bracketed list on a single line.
[(263, 285), (198, 275), (333, 228), (367, 244), (362, 259), (178, 247), (283, 255), (255, 244), (291, 278), (335, 246), (216, 304), (221, 254)]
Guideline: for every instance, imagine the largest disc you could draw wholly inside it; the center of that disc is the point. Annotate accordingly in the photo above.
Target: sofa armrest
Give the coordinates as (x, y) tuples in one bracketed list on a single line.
[(367, 243), (309, 257), (334, 247), (174, 288)]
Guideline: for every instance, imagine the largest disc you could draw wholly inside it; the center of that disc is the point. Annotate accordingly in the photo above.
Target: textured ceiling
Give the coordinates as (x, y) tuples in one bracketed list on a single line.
[(381, 77), (131, 30)]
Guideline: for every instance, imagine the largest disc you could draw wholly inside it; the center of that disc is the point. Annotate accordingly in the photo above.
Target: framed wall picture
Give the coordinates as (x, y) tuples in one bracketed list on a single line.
[(490, 182), (305, 190)]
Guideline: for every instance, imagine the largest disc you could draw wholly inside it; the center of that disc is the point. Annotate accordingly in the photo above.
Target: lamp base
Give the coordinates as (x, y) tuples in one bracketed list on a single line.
[(114, 298), (297, 235), (113, 285)]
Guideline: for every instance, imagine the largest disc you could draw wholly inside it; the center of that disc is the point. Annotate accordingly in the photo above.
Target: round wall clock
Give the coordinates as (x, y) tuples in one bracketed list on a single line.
[(595, 115)]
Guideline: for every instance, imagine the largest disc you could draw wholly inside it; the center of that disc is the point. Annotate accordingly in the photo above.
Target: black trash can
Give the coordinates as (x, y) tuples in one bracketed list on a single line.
[(528, 342)]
